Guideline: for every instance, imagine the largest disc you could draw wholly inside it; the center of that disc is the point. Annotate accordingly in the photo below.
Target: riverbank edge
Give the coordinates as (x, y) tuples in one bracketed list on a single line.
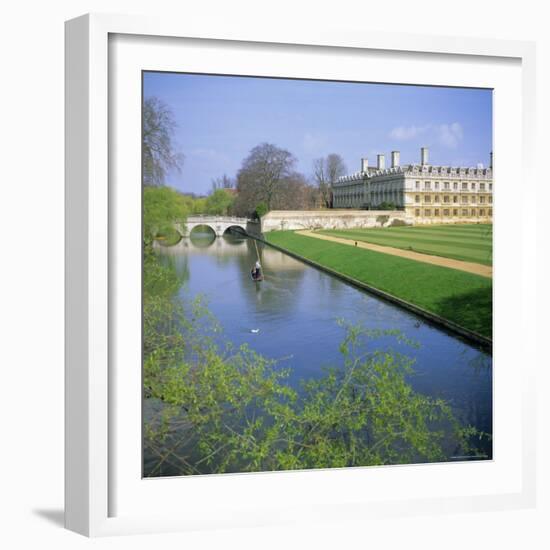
[(468, 334)]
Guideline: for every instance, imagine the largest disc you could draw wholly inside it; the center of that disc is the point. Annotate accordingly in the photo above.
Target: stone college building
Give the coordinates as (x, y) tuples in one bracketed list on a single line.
[(427, 194)]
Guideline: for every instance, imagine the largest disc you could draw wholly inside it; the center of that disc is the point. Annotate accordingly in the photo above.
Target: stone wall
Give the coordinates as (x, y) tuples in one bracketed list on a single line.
[(278, 220)]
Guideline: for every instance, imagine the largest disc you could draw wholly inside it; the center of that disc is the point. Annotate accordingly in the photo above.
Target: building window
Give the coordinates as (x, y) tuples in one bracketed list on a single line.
[(490, 199), (464, 200), (455, 212), (417, 185), (426, 185), (464, 186), (446, 198), (473, 186), (446, 184), (455, 199), (427, 198), (490, 187), (455, 185), (417, 198), (473, 212), (482, 212), (436, 198), (481, 200), (473, 199), (446, 212), (490, 212), (417, 212), (436, 212), (427, 212), (436, 185), (482, 187)]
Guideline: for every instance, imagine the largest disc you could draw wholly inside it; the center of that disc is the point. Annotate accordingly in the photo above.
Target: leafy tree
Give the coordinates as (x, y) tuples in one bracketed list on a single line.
[(325, 173), (162, 207), (219, 202), (158, 150), (261, 210), (199, 205)]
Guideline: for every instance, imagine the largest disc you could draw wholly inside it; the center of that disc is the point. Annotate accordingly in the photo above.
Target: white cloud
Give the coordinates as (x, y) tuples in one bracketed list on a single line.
[(403, 133), (447, 135), (450, 135)]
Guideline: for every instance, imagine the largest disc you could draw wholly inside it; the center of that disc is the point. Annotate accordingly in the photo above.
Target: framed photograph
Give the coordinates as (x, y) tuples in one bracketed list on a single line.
[(291, 293)]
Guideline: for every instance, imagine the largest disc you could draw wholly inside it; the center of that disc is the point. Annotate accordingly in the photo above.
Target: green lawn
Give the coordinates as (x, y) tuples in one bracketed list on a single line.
[(471, 243), (461, 297)]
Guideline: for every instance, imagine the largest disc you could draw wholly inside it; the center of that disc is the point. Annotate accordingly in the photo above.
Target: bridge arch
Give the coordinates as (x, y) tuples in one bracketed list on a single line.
[(218, 224), (236, 228), (201, 226)]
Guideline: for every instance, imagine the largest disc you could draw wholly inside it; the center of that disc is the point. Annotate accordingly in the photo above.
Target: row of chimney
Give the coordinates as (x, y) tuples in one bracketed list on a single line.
[(381, 160)]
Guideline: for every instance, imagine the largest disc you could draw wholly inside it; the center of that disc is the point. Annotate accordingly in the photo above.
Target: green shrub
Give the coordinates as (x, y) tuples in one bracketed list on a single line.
[(261, 210)]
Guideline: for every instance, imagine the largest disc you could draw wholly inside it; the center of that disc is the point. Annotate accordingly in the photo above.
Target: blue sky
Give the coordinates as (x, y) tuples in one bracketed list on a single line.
[(221, 118)]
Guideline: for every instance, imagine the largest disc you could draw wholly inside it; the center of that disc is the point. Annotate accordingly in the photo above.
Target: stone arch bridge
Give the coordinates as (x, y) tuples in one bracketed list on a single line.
[(218, 224)]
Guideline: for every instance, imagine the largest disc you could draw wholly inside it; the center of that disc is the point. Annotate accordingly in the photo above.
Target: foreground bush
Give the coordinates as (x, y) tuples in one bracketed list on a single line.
[(213, 409)]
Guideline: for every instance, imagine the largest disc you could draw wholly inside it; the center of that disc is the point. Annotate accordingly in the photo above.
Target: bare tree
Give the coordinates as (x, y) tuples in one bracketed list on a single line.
[(225, 182), (261, 176), (325, 173), (295, 193), (321, 179), (158, 150)]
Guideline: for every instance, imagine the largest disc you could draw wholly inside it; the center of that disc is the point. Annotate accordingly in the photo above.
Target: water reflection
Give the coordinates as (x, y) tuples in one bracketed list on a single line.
[(292, 316), (202, 239)]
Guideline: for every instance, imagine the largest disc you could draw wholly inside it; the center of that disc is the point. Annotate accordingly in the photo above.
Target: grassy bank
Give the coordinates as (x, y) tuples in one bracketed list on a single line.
[(461, 297), (470, 243)]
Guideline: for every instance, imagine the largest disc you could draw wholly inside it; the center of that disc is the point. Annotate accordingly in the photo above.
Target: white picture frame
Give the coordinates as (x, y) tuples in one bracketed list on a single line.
[(99, 499)]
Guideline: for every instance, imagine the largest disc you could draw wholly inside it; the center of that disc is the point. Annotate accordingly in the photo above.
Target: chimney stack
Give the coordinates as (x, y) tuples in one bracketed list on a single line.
[(424, 156), (394, 159), (364, 165), (381, 162)]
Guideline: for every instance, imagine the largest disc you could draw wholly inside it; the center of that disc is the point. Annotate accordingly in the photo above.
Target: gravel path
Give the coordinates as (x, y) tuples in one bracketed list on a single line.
[(470, 267)]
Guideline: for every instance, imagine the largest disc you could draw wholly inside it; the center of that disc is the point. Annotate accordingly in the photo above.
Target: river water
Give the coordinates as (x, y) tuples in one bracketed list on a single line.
[(292, 316)]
